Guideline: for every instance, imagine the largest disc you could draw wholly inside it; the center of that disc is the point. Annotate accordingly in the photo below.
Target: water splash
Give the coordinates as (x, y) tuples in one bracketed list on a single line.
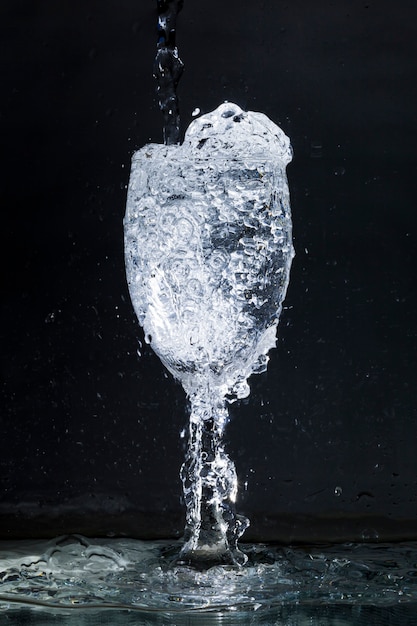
[(208, 254), (76, 573)]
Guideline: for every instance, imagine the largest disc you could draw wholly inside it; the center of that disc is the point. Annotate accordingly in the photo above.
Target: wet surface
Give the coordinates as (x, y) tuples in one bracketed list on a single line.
[(74, 575)]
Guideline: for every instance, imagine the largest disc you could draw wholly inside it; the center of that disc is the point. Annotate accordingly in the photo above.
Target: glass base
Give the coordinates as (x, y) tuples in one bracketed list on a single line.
[(123, 577)]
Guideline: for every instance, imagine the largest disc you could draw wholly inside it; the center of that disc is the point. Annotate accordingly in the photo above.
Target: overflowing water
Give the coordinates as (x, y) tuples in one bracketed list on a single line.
[(208, 254)]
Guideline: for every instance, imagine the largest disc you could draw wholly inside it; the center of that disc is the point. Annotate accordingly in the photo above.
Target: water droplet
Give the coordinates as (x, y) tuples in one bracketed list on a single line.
[(370, 534), (195, 112), (316, 149), (338, 491)]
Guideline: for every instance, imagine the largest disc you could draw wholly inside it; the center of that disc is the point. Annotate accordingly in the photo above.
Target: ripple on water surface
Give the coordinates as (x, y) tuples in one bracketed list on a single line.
[(75, 573)]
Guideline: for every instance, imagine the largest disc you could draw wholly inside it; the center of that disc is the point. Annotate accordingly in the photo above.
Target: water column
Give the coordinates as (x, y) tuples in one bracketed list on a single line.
[(168, 68)]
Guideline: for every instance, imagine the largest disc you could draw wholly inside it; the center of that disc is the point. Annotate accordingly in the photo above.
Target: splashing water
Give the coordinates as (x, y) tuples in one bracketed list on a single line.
[(208, 255), (73, 573)]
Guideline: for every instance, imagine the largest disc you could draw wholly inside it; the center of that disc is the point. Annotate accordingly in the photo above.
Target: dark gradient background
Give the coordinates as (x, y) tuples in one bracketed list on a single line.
[(326, 445)]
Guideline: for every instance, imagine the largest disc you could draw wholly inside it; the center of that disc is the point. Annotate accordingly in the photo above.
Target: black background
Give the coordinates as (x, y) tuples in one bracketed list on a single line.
[(325, 446)]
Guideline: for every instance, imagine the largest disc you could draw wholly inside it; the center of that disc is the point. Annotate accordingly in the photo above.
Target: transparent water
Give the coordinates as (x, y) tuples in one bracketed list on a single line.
[(139, 581), (208, 254)]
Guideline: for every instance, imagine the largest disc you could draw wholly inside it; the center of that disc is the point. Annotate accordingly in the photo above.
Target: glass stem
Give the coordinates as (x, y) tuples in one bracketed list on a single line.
[(210, 487)]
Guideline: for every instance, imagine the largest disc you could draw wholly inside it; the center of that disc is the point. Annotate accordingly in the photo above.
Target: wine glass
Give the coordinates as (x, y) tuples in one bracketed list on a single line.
[(208, 253)]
